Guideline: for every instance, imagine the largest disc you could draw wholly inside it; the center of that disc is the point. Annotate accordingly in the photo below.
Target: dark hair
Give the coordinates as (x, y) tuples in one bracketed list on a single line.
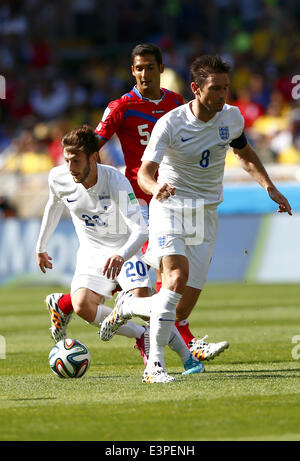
[(82, 139), (206, 65), (147, 48)]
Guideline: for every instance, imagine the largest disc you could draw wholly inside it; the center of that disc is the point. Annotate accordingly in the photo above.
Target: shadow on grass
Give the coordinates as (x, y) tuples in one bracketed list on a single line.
[(35, 398), (250, 374)]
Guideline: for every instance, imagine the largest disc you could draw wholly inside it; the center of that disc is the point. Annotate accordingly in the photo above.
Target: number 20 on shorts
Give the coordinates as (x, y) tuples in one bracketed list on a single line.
[(136, 270)]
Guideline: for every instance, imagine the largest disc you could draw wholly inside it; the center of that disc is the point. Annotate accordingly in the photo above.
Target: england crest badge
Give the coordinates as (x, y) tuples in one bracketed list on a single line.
[(224, 133)]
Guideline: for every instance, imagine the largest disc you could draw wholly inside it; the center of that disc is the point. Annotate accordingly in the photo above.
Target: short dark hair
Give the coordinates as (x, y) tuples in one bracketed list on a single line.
[(206, 65), (147, 48), (83, 139)]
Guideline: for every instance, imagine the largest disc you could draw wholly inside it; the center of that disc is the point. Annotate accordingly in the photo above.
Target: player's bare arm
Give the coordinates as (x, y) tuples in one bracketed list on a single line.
[(147, 182), (44, 261), (253, 165), (101, 144)]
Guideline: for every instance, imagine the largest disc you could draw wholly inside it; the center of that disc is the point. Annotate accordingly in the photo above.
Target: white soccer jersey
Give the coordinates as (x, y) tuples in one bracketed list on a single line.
[(191, 153), (106, 217)]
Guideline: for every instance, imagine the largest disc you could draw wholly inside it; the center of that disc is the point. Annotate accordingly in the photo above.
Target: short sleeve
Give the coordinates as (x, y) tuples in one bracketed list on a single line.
[(110, 122), (159, 141)]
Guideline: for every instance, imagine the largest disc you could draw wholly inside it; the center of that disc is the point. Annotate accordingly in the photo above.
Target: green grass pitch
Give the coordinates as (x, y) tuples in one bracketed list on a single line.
[(250, 392)]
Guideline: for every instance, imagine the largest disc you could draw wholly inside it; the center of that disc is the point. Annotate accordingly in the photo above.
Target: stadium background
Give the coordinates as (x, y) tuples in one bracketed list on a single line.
[(63, 61)]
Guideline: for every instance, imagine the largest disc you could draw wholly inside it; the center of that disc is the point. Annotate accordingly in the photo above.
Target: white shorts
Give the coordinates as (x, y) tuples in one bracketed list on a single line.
[(88, 274), (165, 240)]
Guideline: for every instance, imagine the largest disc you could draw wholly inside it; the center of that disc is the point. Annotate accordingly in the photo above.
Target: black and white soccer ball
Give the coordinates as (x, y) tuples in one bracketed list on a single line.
[(69, 358)]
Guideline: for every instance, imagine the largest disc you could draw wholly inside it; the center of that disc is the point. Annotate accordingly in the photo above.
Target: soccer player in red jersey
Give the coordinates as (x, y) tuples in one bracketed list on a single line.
[(132, 118)]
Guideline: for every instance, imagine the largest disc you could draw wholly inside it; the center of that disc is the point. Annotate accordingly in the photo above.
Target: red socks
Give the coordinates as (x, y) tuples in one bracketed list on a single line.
[(184, 330), (158, 286), (65, 303)]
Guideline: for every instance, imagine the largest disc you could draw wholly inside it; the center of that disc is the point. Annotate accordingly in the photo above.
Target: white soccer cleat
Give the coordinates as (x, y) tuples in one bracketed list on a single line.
[(206, 351), (157, 374), (59, 320), (116, 318)]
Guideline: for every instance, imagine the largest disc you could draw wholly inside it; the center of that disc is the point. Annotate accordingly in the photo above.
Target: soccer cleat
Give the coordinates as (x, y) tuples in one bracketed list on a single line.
[(59, 320), (116, 318), (157, 374), (206, 351), (143, 345), (192, 365)]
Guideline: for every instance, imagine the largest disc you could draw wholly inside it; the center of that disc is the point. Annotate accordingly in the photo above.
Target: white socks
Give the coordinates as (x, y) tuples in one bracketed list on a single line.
[(163, 315), (178, 345), (140, 307), (162, 307)]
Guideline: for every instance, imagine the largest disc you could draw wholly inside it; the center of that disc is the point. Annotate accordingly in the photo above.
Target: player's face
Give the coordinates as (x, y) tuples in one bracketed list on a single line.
[(213, 93), (78, 165), (147, 72)]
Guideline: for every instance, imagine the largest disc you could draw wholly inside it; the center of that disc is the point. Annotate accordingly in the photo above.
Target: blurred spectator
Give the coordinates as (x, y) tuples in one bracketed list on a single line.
[(172, 80), (295, 125), (56, 131), (84, 12), (284, 82), (287, 143), (270, 130), (250, 110), (7, 210), (20, 107), (40, 52), (62, 73), (13, 18), (5, 138), (27, 156), (259, 89), (50, 99)]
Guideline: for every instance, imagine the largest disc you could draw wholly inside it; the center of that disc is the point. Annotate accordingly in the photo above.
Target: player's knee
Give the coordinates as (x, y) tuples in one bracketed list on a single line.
[(79, 306), (177, 280)]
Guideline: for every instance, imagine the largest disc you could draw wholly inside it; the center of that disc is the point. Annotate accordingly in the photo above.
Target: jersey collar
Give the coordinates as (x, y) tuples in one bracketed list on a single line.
[(136, 91), (196, 120)]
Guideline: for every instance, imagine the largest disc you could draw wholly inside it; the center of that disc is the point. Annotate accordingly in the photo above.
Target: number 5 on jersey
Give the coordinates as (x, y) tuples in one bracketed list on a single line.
[(142, 129)]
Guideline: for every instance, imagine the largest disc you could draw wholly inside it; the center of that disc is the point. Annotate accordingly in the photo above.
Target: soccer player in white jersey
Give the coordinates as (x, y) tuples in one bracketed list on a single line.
[(188, 148), (132, 118), (110, 230)]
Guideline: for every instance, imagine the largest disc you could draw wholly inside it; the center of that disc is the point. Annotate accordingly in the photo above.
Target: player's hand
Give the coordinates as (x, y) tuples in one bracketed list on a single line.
[(44, 261), (163, 191), (113, 266), (276, 196)]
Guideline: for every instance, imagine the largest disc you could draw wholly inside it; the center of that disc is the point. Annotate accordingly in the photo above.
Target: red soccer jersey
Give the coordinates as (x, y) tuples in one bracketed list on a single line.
[(132, 118)]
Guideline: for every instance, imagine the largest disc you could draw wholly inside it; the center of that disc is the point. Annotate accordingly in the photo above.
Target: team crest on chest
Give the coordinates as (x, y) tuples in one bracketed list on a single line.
[(224, 133)]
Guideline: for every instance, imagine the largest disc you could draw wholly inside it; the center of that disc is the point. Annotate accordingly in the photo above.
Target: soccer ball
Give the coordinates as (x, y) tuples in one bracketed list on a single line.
[(69, 358)]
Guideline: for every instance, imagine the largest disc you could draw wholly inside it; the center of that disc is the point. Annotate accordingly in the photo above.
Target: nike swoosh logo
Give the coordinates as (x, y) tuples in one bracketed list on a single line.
[(68, 200), (187, 139)]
